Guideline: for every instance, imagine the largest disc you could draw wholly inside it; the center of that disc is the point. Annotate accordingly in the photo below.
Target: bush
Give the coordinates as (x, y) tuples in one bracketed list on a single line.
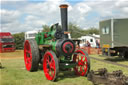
[(19, 40)]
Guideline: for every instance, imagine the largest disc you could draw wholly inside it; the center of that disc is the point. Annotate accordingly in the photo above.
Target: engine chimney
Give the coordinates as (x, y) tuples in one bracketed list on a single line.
[(64, 18)]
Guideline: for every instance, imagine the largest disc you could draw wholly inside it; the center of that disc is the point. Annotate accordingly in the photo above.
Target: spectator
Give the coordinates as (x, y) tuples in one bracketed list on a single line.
[(78, 43), (97, 44), (88, 44)]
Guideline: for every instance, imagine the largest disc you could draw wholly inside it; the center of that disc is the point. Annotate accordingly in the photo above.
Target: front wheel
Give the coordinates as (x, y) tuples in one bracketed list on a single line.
[(83, 62), (50, 65)]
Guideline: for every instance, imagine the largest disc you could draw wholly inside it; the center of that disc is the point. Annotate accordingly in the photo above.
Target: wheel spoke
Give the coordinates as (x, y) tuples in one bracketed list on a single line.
[(48, 71), (85, 68), (85, 60), (81, 69), (48, 60), (52, 64), (28, 60), (52, 72), (85, 63), (78, 57), (81, 58)]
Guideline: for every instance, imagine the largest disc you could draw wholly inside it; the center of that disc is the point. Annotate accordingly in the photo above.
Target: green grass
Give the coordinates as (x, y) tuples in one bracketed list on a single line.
[(98, 56), (14, 73), (113, 59)]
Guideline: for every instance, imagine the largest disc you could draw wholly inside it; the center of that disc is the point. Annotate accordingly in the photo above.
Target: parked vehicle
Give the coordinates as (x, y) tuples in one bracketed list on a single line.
[(90, 39), (113, 37), (6, 42), (30, 34)]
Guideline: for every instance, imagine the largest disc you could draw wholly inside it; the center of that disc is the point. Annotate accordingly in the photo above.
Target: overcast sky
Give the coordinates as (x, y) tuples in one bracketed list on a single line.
[(26, 15)]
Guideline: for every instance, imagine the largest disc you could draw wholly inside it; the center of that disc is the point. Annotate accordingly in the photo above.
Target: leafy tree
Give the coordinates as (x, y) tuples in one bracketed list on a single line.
[(75, 30), (93, 31), (19, 40), (46, 28)]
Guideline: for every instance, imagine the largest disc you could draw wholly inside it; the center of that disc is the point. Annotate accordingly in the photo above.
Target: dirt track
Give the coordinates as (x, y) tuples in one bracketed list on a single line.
[(110, 62), (12, 55)]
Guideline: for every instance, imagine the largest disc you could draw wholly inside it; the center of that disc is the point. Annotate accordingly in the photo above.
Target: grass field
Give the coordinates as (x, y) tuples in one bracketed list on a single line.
[(14, 72)]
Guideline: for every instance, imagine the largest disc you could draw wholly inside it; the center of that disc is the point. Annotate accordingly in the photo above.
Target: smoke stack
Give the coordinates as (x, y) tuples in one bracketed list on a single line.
[(64, 18)]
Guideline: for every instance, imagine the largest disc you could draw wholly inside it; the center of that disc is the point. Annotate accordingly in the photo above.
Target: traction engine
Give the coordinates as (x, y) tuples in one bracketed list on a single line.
[(55, 51)]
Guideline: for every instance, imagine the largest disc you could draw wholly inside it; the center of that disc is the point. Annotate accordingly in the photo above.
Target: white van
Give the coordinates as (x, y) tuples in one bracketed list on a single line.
[(30, 34), (90, 39)]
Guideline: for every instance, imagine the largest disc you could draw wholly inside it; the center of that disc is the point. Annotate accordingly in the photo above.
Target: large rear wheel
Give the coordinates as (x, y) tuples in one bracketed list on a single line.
[(83, 62), (31, 55), (50, 65)]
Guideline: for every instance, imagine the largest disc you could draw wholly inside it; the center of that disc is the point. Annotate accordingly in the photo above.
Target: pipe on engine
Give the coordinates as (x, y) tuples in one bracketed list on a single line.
[(64, 18)]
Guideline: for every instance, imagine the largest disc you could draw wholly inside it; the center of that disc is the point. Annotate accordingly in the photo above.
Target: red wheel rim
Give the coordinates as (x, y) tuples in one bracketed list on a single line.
[(27, 55), (49, 66), (81, 67)]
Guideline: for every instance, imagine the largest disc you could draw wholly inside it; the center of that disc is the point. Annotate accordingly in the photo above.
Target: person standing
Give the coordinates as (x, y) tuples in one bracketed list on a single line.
[(88, 44), (88, 47)]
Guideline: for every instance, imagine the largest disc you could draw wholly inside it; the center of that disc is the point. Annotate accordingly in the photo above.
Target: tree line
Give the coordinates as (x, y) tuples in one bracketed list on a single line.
[(74, 30), (19, 40)]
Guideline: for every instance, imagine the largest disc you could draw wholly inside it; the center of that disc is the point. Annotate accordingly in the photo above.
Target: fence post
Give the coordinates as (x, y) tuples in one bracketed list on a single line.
[(89, 52)]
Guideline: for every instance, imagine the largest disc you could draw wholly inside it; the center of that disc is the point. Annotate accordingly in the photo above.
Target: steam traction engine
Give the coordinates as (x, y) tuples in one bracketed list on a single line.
[(55, 51)]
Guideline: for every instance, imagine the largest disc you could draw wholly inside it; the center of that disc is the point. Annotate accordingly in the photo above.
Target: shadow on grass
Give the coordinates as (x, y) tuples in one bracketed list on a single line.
[(2, 67), (66, 74), (40, 67), (62, 74), (116, 59)]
